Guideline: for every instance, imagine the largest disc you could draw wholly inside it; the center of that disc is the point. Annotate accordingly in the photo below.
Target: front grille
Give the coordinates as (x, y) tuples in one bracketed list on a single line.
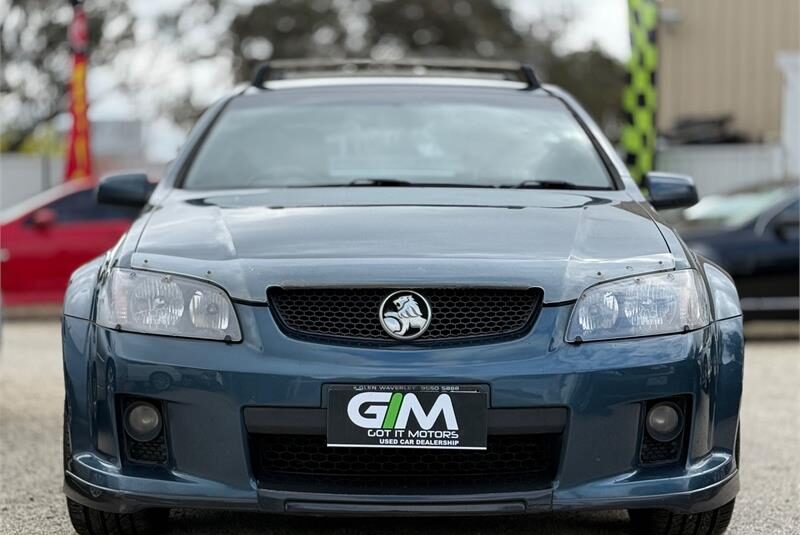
[(153, 451), (655, 452), (458, 314), (305, 463)]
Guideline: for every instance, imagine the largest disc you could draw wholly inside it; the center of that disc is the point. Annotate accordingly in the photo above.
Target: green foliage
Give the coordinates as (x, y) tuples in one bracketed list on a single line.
[(444, 28), (286, 29), (596, 81), (44, 140), (36, 59)]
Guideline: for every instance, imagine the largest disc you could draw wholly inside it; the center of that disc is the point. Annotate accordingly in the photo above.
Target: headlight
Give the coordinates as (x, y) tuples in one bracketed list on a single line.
[(155, 303), (661, 303)]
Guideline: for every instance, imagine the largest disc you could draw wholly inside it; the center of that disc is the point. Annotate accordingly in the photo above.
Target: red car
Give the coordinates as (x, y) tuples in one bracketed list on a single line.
[(44, 239)]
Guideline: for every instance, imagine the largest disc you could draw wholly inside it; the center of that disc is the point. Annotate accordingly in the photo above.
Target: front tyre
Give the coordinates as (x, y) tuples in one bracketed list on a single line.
[(663, 522), (88, 521)]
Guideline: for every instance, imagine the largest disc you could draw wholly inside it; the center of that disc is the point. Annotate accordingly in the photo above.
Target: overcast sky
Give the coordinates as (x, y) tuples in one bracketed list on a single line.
[(602, 21)]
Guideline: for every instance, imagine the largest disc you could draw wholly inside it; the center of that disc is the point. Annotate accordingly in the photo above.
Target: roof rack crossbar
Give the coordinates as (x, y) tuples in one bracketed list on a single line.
[(283, 69)]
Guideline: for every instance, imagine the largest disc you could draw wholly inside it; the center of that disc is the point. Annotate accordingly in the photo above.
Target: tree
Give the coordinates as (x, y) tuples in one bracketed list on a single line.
[(391, 29), (286, 29), (230, 39), (442, 28), (36, 59), (596, 80)]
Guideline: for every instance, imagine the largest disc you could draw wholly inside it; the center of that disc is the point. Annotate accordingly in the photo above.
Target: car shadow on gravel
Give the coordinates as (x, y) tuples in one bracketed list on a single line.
[(220, 523)]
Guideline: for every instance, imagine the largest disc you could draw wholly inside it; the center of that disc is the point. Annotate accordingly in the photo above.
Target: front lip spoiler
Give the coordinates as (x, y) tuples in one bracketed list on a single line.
[(124, 501), (312, 504)]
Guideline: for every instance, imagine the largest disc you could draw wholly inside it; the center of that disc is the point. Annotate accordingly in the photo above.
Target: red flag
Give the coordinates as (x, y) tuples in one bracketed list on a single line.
[(79, 155)]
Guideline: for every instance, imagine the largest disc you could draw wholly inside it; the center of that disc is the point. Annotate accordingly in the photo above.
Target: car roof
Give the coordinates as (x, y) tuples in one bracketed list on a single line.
[(390, 80), (282, 74), (364, 89)]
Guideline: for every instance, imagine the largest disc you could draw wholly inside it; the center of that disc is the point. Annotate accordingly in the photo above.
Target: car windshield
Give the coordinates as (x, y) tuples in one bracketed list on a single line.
[(398, 142), (731, 210)]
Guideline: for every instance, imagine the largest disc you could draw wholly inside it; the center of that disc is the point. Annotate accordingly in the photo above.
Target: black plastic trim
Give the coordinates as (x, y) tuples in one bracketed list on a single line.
[(302, 421)]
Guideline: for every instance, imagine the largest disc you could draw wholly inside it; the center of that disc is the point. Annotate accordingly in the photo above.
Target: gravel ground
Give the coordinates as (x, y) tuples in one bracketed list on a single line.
[(31, 397)]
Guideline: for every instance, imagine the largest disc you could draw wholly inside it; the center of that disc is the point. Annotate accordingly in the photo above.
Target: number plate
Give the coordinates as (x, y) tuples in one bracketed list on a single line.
[(407, 416)]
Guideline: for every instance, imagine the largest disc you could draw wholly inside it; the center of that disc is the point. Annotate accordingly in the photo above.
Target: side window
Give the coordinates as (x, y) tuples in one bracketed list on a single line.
[(74, 207), (82, 206), (791, 212), (106, 211)]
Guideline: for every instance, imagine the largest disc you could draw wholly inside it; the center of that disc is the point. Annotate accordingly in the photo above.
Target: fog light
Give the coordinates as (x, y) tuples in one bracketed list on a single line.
[(142, 421), (664, 422)]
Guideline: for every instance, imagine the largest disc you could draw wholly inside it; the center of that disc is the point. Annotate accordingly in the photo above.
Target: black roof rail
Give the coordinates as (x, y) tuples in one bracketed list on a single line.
[(262, 75), (461, 68)]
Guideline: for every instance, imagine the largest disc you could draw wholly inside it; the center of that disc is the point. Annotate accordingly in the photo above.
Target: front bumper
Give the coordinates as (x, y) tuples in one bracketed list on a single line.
[(206, 386), (684, 494)]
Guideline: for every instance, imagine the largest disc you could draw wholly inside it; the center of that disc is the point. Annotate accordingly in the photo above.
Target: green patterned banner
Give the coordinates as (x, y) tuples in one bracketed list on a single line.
[(639, 98)]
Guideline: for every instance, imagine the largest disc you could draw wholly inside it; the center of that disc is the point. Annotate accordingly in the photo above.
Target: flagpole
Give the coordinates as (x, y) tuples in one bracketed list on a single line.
[(78, 165)]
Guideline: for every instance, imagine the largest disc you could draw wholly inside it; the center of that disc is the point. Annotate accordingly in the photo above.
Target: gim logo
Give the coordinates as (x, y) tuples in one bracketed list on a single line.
[(391, 410)]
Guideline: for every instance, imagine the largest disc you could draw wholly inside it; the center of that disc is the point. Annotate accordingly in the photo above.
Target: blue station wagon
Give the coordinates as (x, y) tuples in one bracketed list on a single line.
[(405, 288)]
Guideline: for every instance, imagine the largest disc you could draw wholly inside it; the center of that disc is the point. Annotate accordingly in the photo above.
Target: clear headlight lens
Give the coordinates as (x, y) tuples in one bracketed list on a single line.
[(155, 303), (661, 303)]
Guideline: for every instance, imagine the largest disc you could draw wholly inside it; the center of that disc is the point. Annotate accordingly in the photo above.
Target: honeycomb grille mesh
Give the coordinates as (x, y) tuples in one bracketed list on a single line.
[(458, 314), (655, 452), (153, 451), (521, 461)]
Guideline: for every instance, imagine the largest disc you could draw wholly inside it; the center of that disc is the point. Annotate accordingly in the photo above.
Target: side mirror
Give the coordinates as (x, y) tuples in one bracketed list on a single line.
[(43, 218), (132, 189), (667, 190)]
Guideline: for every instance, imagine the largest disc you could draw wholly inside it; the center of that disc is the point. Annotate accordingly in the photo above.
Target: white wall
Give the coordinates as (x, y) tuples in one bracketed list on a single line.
[(789, 64), (722, 168), (23, 176)]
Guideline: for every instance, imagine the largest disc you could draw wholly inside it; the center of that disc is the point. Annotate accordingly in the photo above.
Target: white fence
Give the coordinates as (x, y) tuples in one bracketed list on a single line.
[(722, 168), (24, 175)]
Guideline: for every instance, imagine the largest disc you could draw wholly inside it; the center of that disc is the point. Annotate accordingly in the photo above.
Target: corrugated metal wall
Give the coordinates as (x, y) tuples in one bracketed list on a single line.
[(720, 58)]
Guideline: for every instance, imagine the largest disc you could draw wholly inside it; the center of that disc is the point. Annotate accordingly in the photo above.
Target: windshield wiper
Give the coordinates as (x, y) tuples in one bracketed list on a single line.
[(359, 182), (391, 183), (379, 182), (551, 184)]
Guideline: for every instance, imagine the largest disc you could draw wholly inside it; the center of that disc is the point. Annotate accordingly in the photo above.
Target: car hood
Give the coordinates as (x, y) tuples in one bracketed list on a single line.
[(246, 242)]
